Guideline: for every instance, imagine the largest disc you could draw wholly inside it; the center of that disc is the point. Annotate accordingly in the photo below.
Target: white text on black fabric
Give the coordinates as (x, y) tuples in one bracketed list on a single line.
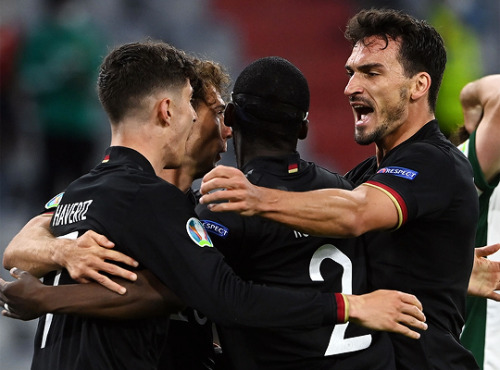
[(405, 173), (299, 235), (69, 213), (215, 228)]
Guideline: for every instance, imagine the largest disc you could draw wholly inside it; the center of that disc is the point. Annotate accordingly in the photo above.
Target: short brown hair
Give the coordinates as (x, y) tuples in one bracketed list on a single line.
[(209, 74)]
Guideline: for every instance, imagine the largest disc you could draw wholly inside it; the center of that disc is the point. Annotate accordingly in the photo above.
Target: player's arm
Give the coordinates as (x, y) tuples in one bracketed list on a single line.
[(328, 212), (33, 249), (201, 278), (480, 101), (381, 310), (27, 298), (36, 250)]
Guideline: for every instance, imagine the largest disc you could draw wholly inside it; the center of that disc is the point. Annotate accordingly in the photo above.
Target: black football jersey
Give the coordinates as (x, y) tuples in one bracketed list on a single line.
[(154, 222), (266, 252), (430, 254)]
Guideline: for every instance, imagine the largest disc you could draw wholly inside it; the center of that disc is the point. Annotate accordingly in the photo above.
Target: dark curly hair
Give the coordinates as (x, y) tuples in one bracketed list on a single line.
[(422, 47), (209, 74)]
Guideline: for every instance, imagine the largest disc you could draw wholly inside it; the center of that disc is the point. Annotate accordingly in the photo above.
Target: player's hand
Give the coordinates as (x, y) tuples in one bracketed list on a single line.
[(227, 189), (388, 310), (19, 297), (485, 276), (89, 255)]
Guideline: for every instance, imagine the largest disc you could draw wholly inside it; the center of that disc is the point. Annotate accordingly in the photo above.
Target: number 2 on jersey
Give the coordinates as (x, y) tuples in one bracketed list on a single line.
[(338, 343)]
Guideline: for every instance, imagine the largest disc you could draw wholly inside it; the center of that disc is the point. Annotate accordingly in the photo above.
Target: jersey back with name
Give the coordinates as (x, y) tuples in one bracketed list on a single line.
[(266, 252), (71, 342)]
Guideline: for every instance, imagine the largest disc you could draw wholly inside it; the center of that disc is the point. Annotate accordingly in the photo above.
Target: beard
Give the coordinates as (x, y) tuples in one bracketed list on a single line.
[(362, 137), (391, 122)]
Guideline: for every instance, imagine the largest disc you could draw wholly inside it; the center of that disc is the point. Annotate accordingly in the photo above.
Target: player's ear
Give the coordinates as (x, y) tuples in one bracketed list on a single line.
[(303, 129), (229, 114), (421, 85), (164, 113)]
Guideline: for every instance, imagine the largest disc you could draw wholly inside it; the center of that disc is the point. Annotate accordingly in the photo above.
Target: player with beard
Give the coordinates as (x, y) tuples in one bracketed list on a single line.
[(302, 309), (268, 115), (416, 197)]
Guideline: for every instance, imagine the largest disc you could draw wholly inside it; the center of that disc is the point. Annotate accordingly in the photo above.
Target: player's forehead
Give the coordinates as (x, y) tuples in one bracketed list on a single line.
[(213, 97), (218, 102), (374, 50)]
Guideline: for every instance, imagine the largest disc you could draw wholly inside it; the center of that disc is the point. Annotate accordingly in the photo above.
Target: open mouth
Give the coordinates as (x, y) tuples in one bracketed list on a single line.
[(361, 111)]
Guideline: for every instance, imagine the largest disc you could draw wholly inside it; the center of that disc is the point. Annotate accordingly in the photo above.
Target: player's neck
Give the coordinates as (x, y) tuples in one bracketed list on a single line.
[(139, 140), (246, 157), (414, 122), (179, 177)]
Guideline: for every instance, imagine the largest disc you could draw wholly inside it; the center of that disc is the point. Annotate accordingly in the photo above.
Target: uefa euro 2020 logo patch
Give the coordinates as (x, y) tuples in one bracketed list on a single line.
[(197, 233), (54, 202)]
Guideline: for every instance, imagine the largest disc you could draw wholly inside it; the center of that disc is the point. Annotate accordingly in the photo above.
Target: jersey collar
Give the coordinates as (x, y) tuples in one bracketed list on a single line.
[(280, 165), (120, 155)]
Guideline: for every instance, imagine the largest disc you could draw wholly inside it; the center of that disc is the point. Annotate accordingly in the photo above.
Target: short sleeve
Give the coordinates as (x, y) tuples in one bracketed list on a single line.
[(417, 179)]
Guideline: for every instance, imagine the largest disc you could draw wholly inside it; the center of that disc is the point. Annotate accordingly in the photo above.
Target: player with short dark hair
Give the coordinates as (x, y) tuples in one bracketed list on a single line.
[(416, 197), (268, 115), (190, 341), (153, 222)]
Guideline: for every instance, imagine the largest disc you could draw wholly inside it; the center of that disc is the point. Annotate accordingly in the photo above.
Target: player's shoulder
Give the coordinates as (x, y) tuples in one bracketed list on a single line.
[(362, 171), (432, 152), (308, 176), (221, 224), (435, 146), (331, 179), (432, 160), (138, 187)]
